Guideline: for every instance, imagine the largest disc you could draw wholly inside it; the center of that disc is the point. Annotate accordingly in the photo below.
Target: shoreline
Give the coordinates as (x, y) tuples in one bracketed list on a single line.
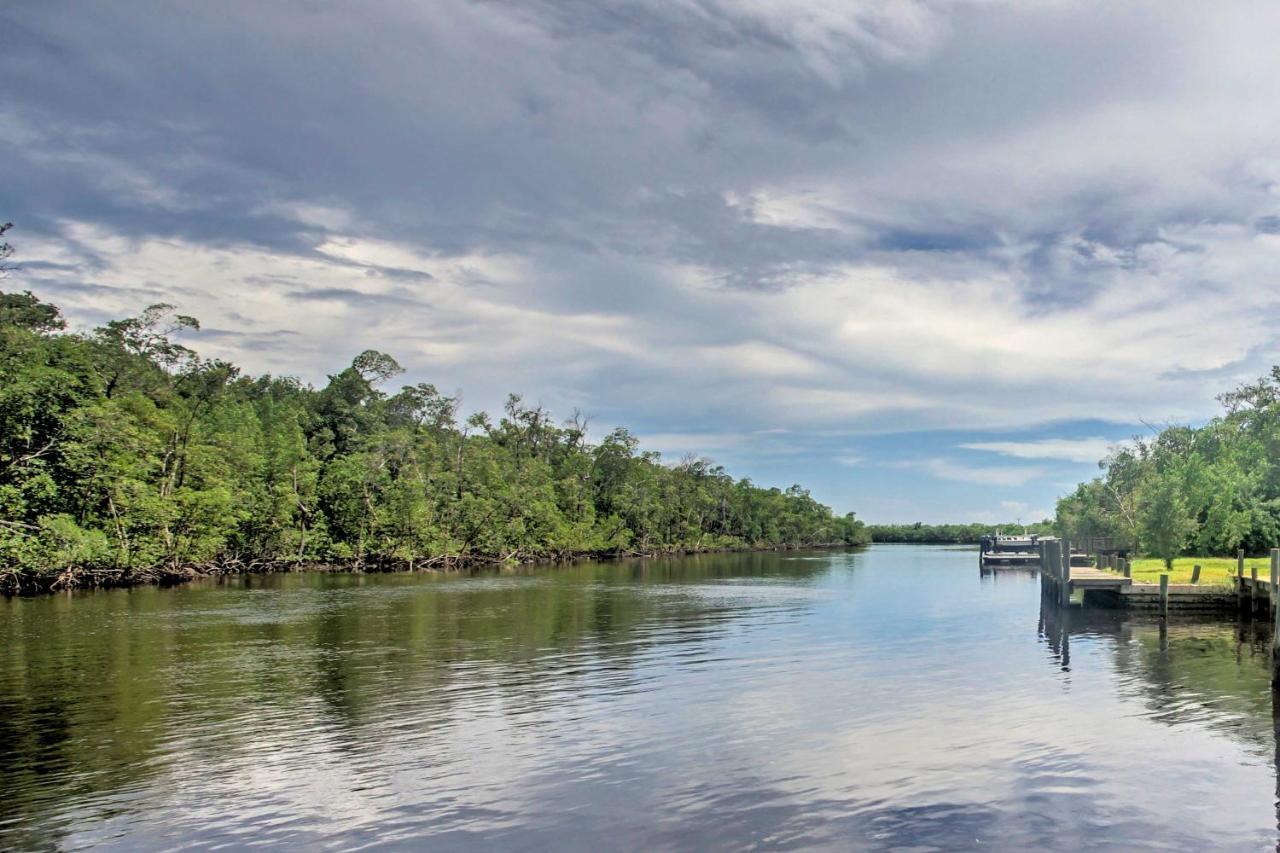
[(20, 585)]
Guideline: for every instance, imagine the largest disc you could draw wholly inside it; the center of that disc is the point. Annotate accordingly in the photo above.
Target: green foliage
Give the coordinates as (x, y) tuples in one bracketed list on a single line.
[(1163, 520), (1207, 490), (123, 450), (64, 544), (25, 311), (967, 534)]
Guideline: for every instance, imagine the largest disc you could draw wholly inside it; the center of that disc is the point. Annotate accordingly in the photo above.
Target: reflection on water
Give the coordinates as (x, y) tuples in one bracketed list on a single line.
[(875, 700)]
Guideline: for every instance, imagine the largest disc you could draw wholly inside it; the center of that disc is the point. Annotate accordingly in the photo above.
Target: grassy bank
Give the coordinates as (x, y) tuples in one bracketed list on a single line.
[(1214, 571)]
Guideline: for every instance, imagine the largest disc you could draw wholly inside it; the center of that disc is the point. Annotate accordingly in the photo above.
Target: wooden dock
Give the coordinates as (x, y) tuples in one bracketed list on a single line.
[(1085, 584), (1090, 577), (1106, 582), (1100, 578)]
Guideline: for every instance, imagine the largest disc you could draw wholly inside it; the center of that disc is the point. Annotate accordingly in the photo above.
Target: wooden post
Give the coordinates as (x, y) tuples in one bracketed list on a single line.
[(1128, 569), (1164, 596), (1195, 573), (1240, 579), (1046, 561), (1253, 589), (1275, 574), (1066, 572), (1275, 645), (1040, 563)]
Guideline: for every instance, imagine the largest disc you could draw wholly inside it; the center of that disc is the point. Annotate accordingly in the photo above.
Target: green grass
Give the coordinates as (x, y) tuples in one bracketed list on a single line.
[(1214, 571)]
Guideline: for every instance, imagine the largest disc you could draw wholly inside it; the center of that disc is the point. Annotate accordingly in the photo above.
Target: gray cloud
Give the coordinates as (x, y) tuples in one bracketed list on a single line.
[(618, 126)]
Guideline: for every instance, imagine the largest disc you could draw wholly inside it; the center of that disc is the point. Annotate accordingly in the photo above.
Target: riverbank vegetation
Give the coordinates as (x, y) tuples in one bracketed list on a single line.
[(1191, 490), (941, 534), (126, 456)]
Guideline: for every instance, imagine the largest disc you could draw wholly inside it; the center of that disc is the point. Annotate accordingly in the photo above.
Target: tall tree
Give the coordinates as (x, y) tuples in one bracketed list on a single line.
[(123, 450), (1164, 520)]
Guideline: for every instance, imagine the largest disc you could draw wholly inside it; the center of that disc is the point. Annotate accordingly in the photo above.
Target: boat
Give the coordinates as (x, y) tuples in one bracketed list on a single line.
[(1009, 550)]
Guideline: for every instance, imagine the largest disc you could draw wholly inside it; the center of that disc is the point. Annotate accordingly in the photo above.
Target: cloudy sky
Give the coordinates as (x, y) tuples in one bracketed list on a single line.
[(928, 258)]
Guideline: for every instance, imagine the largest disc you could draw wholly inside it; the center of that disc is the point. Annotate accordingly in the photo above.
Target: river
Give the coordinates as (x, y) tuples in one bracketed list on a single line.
[(879, 699)]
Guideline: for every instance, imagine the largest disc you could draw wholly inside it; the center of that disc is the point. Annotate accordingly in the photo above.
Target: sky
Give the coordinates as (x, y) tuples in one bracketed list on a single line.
[(931, 259)]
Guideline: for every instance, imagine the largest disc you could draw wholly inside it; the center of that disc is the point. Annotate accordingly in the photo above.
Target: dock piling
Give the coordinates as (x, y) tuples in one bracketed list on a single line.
[(1195, 573), (1065, 592), (1275, 643), (1128, 570), (1240, 579), (1275, 575), (1164, 596)]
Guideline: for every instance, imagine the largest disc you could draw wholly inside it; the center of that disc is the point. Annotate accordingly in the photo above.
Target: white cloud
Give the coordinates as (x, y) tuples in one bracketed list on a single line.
[(759, 359), (796, 208), (676, 443), (1015, 510), (1004, 513), (1067, 449), (997, 475)]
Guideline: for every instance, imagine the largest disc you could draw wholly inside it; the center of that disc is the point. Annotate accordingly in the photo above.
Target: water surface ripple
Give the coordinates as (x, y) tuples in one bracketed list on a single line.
[(886, 699)]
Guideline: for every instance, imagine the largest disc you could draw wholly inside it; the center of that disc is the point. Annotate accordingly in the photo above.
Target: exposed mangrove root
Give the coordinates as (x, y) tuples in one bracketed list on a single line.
[(90, 577)]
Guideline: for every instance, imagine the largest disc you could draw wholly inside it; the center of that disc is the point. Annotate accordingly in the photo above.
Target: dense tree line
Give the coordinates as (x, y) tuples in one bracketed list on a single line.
[(123, 453), (1206, 490), (964, 534)]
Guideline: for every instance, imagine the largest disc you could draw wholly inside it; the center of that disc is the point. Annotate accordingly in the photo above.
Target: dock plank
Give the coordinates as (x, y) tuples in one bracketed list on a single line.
[(1090, 577)]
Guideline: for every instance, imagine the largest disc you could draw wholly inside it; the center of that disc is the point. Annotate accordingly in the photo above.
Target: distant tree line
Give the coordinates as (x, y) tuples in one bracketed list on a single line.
[(124, 455), (1207, 490), (962, 534)]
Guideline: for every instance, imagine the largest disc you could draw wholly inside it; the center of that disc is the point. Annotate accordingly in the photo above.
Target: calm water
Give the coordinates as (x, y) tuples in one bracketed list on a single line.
[(878, 700)]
